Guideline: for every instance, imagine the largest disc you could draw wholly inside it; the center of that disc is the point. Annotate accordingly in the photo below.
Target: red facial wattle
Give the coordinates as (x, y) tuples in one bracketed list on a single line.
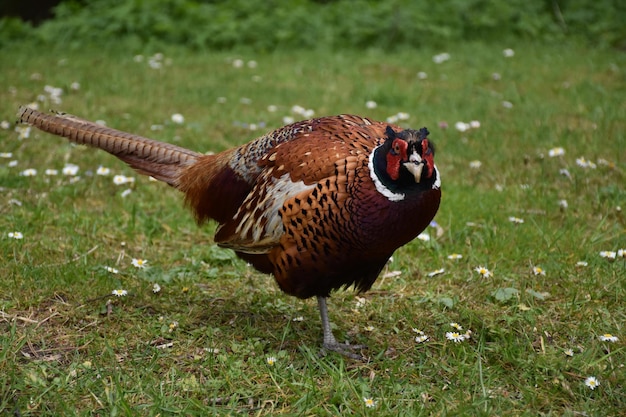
[(427, 155), (396, 155)]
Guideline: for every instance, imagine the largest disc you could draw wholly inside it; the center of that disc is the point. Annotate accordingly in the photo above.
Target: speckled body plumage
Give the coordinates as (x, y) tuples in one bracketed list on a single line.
[(300, 202)]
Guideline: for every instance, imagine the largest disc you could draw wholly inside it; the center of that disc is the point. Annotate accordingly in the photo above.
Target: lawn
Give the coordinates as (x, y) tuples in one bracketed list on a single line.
[(533, 181)]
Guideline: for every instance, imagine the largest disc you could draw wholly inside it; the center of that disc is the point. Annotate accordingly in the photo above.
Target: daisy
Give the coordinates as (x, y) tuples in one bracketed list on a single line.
[(126, 193), (474, 124), (484, 272), (119, 293), (111, 270), (556, 152), (475, 164), (608, 337), (582, 263), (270, 360), (621, 253), (6, 155), (51, 172), (139, 263), (442, 57), (178, 118), (538, 271), (456, 337), (423, 237), (456, 326), (422, 75), (369, 402), (461, 126), (508, 53), (569, 352), (15, 235), (608, 254), (507, 104), (516, 220), (436, 272), (30, 172), (156, 288), (455, 256), (592, 382), (70, 169), (421, 338), (299, 318), (369, 328), (173, 325), (103, 170), (371, 104)]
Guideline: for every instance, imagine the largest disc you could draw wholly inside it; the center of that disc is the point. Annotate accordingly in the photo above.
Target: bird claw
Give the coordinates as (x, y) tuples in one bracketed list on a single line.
[(345, 349)]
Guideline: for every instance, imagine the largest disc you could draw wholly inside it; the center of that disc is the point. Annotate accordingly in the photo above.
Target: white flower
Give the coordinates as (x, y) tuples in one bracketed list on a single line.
[(422, 75), (103, 171), (30, 172), (421, 338), (75, 86), (462, 126), (556, 152), (272, 108), (15, 235), (178, 118), (371, 104), (299, 318), (455, 256), (507, 104), (592, 382), (51, 172), (126, 192), (288, 120), (516, 220), (583, 163), (484, 272), (70, 169), (369, 402), (582, 263), (538, 271), (252, 64), (6, 155), (475, 164), (569, 352), (621, 253), (423, 237), (456, 337), (139, 263), (456, 326), (608, 337), (111, 270), (369, 328), (237, 63), (5, 125), (508, 53), (496, 76), (122, 179), (119, 293), (610, 255), (474, 124), (442, 57), (156, 288), (436, 272), (563, 204), (270, 360)]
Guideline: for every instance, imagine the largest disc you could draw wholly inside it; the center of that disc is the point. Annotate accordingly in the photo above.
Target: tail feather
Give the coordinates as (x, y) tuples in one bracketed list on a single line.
[(163, 161)]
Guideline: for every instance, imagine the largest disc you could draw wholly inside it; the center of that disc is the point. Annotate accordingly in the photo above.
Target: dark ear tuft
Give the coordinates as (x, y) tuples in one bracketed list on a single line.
[(391, 134), (423, 133)]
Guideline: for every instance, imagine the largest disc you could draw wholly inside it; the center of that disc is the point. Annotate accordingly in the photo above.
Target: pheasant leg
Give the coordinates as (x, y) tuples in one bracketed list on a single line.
[(330, 343)]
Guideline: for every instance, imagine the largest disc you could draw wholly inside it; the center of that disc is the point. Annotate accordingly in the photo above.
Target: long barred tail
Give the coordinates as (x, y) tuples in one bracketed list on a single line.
[(160, 160)]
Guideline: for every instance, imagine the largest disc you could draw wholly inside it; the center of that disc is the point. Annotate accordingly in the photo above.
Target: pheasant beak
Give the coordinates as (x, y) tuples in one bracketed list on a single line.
[(415, 166)]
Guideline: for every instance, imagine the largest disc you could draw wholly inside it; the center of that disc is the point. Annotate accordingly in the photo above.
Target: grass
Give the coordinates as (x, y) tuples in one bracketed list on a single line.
[(199, 346)]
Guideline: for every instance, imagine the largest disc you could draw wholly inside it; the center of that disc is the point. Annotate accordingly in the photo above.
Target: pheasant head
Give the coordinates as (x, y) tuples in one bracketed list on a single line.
[(404, 161)]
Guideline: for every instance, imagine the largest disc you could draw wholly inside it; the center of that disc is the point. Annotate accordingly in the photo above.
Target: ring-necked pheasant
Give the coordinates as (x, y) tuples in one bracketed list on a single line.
[(320, 204)]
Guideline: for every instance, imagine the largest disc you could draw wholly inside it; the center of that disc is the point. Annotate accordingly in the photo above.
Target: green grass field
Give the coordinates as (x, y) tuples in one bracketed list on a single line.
[(535, 217)]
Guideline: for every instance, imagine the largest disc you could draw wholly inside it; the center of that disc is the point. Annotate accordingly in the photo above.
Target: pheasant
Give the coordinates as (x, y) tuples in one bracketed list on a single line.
[(321, 204)]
